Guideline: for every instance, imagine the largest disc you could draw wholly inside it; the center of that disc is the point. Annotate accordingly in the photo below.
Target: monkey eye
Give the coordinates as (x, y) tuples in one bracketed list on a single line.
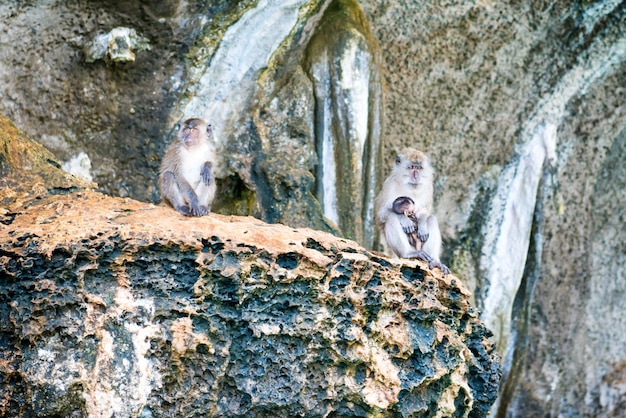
[(398, 160)]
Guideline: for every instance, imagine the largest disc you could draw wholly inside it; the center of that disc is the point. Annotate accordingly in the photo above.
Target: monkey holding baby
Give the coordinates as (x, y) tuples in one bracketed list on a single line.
[(186, 179), (404, 210)]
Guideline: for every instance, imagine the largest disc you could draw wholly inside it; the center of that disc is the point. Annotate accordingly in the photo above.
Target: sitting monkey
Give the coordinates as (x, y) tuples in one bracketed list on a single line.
[(404, 210), (186, 178)]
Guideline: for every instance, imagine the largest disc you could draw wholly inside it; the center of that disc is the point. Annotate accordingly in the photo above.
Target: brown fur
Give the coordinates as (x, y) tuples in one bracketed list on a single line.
[(186, 178)]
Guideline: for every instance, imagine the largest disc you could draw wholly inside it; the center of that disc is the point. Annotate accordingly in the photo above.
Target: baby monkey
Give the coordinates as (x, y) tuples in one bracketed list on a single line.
[(186, 177), (417, 234)]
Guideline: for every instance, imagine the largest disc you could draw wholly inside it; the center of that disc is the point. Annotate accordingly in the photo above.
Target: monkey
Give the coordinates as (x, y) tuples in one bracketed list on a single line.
[(404, 205), (186, 177), (404, 210)]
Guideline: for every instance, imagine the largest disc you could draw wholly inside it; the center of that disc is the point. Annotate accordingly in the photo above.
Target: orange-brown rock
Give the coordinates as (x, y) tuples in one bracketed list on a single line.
[(113, 307)]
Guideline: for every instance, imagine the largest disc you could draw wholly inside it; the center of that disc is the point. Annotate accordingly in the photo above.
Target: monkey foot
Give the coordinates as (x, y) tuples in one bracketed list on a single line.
[(193, 210), (200, 210), (436, 264), (422, 255)]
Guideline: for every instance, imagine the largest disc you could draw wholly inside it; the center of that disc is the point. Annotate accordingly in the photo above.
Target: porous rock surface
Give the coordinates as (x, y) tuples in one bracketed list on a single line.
[(113, 307)]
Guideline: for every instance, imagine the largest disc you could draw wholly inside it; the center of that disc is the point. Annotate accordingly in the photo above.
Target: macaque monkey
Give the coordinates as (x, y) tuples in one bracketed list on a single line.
[(404, 210), (186, 176), (404, 205)]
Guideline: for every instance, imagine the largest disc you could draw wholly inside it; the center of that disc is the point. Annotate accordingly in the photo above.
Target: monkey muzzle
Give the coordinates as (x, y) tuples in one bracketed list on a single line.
[(414, 175)]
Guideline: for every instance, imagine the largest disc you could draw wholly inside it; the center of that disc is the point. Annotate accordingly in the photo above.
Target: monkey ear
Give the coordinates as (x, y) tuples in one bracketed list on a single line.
[(398, 160), (177, 127), (209, 130)]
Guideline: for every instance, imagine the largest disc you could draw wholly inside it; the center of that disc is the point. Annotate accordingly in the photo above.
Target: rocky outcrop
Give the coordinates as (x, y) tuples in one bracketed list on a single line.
[(520, 104), (239, 65), (113, 307)]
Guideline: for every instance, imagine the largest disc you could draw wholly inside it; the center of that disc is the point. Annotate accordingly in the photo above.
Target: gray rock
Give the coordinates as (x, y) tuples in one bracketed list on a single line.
[(117, 308)]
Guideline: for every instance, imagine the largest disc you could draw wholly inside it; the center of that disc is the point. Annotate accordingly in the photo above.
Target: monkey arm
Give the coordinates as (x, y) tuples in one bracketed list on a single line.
[(414, 237), (206, 173), (408, 226)]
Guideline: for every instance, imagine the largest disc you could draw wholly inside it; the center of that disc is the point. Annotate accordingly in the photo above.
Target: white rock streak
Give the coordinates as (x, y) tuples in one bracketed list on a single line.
[(507, 234), (346, 105), (227, 84)]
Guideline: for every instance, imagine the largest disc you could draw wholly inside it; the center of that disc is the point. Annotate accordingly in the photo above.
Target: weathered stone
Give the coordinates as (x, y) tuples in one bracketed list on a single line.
[(113, 307), (469, 82), (28, 171), (343, 60), (119, 45)]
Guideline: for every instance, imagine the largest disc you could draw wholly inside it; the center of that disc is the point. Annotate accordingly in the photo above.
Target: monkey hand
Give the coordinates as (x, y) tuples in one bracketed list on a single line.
[(422, 234), (408, 226), (207, 173)]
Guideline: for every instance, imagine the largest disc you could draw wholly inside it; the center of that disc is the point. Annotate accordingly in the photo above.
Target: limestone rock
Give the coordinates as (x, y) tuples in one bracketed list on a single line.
[(113, 307), (118, 45), (28, 171)]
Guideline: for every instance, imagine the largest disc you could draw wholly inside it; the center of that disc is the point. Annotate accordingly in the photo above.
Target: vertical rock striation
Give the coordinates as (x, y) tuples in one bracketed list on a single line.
[(344, 65)]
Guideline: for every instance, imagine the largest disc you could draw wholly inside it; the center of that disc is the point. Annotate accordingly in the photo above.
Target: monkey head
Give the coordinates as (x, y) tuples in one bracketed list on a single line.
[(193, 131), (403, 205), (413, 167)]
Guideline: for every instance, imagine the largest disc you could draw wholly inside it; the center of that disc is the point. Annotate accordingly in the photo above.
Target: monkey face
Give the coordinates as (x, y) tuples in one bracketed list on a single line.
[(415, 171), (193, 132), (412, 166), (411, 170), (189, 135)]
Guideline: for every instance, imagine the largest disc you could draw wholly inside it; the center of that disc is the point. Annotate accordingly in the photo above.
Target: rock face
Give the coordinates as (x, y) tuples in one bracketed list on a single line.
[(520, 104), (112, 307), (239, 65)]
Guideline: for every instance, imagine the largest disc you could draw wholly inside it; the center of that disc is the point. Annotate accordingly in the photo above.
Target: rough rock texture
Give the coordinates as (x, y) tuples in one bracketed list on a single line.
[(473, 83), (28, 171), (113, 307), (115, 86), (493, 91)]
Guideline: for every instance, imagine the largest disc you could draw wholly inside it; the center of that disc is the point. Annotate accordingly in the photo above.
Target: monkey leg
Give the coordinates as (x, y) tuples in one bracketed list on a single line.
[(402, 244), (433, 244), (205, 193), (179, 194)]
